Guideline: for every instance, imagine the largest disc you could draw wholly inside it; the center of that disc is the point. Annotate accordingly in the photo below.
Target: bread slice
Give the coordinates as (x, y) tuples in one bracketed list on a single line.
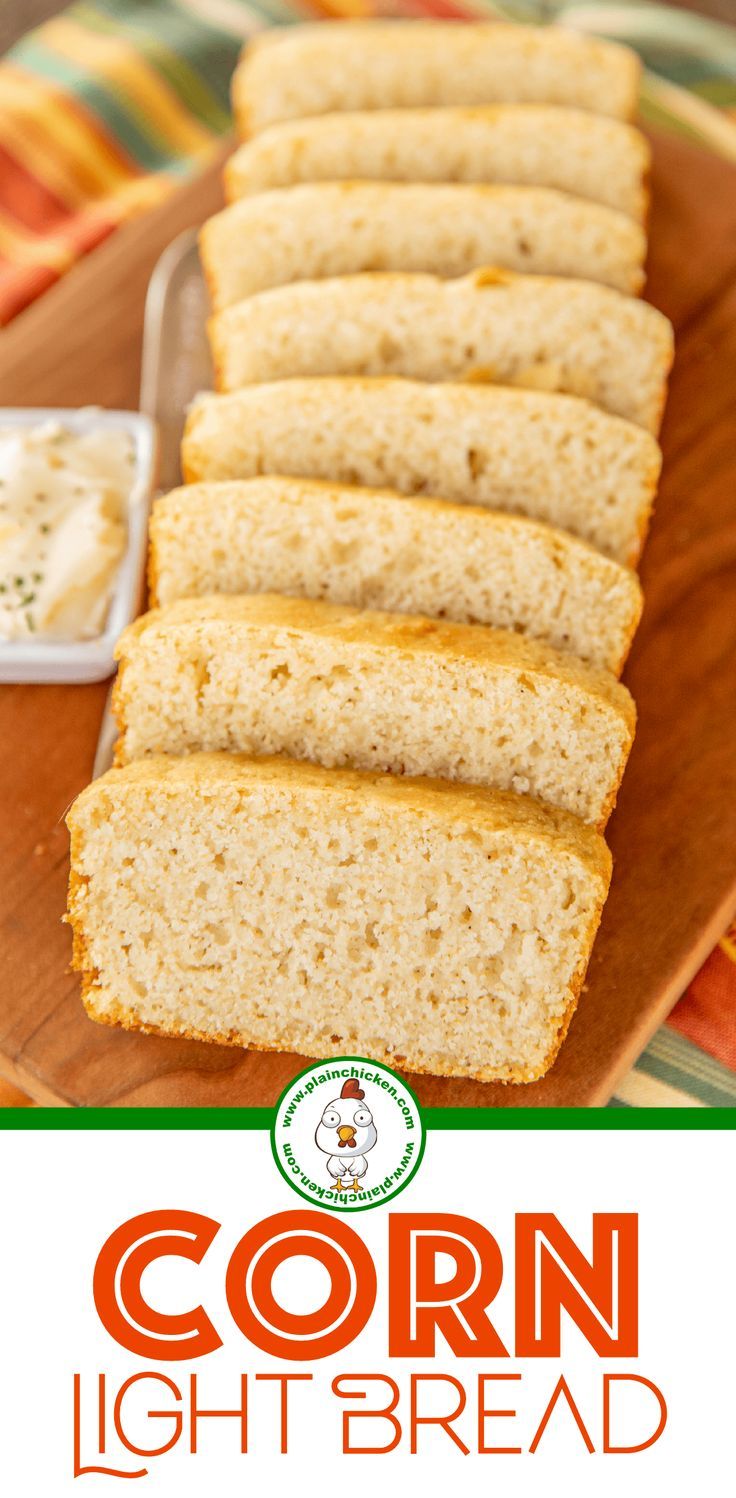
[(307, 70), (532, 331), (552, 457), (277, 905), (537, 145), (271, 675), (336, 228), (375, 549)]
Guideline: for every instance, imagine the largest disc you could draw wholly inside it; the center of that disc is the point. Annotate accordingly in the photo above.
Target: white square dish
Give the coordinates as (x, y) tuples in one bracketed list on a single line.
[(45, 661)]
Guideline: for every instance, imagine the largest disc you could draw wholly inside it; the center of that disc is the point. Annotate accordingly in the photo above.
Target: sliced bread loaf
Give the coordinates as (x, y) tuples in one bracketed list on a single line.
[(532, 144), (552, 457), (336, 228), (306, 70), (271, 675), (376, 549), (532, 331), (277, 905)]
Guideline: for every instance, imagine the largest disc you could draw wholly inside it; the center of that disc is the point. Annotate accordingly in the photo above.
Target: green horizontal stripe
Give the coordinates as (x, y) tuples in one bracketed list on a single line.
[(490, 1120)]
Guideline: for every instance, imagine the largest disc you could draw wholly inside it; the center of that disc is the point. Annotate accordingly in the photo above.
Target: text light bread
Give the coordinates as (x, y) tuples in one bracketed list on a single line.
[(337, 228), (376, 549), (532, 331), (555, 458), (281, 906), (312, 70), (530, 144), (266, 674)]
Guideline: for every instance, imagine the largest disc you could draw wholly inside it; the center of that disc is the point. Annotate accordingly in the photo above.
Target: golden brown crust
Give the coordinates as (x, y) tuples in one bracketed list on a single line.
[(216, 355), (238, 219), (645, 519), (231, 327), (407, 634), (583, 51), (118, 709), (297, 132), (126, 1019), (411, 634), (626, 647), (80, 963), (179, 505), (497, 811), (196, 459), (152, 573)]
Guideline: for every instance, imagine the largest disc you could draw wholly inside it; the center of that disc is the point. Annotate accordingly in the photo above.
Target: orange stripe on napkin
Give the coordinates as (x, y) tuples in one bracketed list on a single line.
[(706, 1014)]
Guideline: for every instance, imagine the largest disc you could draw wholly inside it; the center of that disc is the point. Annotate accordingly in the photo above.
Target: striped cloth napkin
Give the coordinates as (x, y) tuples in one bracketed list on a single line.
[(107, 108)]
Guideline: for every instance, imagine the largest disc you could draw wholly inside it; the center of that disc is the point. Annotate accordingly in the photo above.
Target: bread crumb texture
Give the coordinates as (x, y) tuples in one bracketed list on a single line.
[(377, 549), (522, 144), (392, 692), (536, 332), (552, 457), (310, 70), (370, 738), (336, 228), (275, 905)]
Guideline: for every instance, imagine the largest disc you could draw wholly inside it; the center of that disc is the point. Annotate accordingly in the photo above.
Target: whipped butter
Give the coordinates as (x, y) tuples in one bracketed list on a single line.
[(63, 528)]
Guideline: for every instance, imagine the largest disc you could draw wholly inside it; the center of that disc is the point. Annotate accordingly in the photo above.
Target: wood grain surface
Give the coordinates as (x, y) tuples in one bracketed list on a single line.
[(674, 832)]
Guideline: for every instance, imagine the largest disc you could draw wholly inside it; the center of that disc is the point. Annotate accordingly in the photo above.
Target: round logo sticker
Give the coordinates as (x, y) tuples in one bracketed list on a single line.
[(347, 1134)]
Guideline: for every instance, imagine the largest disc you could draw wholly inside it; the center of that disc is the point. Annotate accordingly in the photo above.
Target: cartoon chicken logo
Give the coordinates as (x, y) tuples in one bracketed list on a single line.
[(346, 1132)]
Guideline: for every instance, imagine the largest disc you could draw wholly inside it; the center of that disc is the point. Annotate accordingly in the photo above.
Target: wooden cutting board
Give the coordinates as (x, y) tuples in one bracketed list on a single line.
[(674, 832)]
